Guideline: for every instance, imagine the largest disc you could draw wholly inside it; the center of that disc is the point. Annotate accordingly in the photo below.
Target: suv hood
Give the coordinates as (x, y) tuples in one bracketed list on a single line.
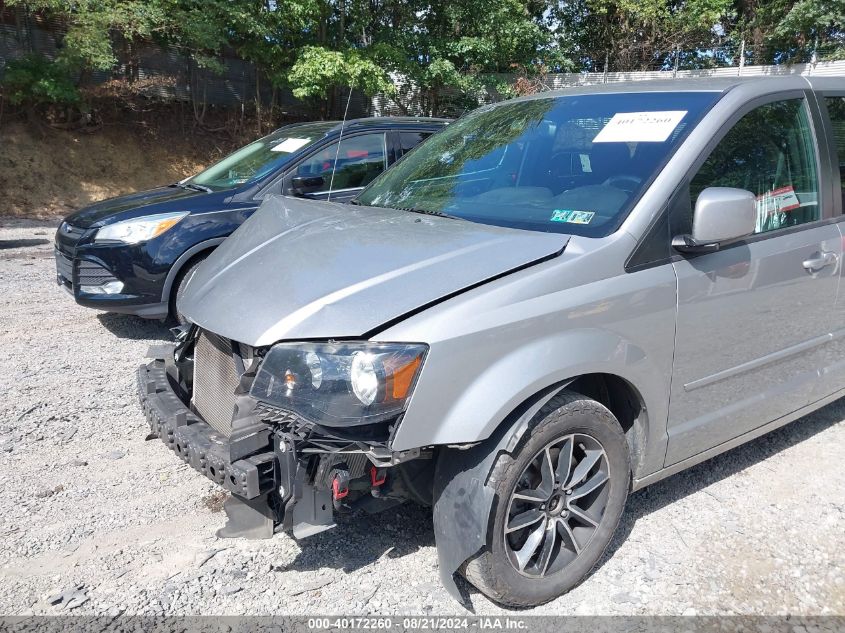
[(301, 269), (160, 200)]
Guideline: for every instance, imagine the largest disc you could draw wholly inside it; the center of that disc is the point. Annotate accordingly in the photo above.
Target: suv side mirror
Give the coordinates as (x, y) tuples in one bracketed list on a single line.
[(303, 185), (721, 214)]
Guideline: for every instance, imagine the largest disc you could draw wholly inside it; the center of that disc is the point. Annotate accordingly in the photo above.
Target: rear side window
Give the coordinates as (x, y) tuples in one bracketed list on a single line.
[(770, 153), (409, 140), (836, 109)]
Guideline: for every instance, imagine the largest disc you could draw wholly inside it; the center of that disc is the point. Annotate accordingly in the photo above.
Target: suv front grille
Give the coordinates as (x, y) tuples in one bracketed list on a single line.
[(215, 381), (86, 273)]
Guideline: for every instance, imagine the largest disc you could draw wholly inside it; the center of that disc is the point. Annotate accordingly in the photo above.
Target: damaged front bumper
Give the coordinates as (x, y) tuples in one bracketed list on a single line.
[(262, 484), (197, 443), (282, 481), (277, 481)]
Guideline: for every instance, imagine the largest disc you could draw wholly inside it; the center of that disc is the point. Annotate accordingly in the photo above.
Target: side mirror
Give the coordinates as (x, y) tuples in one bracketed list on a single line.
[(303, 185), (721, 214)]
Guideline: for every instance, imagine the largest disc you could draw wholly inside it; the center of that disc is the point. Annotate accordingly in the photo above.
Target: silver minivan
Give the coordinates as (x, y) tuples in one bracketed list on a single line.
[(552, 302)]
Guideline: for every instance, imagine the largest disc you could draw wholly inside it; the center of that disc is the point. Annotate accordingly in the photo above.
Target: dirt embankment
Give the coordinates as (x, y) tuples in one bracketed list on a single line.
[(46, 172), (53, 161)]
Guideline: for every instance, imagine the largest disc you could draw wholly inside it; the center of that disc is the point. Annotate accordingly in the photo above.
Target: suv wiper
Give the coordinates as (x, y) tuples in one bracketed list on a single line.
[(190, 185)]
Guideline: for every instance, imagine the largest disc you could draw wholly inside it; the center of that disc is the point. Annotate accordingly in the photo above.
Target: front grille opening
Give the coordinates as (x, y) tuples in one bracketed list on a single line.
[(91, 274), (215, 381), (85, 274)]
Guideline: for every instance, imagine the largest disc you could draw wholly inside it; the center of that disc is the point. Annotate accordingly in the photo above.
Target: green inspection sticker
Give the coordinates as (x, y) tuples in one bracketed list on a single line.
[(573, 216)]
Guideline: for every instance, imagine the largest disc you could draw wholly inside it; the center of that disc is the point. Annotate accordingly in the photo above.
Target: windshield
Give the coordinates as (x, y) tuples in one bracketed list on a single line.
[(558, 164), (259, 158)]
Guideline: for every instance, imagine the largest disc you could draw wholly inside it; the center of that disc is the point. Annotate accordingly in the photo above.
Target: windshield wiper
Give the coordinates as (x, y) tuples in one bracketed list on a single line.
[(439, 214), (190, 185)]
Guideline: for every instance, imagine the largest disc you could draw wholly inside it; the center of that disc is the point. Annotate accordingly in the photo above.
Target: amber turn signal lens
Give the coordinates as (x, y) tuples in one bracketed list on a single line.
[(403, 378), (164, 225)]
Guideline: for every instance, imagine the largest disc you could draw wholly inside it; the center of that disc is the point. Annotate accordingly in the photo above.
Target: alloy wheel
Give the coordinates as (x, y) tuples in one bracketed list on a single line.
[(557, 505)]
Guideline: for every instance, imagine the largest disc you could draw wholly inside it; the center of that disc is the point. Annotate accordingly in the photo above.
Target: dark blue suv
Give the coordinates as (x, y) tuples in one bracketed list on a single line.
[(131, 254)]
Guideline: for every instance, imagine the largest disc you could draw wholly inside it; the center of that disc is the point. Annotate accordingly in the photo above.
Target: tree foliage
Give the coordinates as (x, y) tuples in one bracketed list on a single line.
[(33, 80), (642, 34), (790, 30), (448, 52), (317, 70)]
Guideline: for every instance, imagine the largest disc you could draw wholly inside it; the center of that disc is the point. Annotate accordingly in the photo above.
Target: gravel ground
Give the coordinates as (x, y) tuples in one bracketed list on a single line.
[(88, 508)]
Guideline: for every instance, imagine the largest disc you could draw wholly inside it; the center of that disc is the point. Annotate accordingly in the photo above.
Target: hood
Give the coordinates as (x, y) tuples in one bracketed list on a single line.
[(158, 200), (301, 269)]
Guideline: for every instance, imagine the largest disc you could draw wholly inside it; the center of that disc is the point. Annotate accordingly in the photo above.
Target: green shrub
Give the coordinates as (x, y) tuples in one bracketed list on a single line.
[(35, 80)]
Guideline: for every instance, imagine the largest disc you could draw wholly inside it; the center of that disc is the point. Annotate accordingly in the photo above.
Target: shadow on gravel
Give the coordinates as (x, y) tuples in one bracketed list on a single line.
[(49, 224), (26, 243), (362, 539), (135, 328), (676, 487)]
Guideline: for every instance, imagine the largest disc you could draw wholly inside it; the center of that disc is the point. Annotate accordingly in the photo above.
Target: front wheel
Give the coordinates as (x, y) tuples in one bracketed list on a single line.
[(179, 286), (559, 498)]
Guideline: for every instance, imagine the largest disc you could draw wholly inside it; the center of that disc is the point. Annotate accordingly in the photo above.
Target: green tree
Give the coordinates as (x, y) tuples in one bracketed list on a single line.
[(443, 56), (317, 70), (92, 24), (782, 31), (33, 81), (633, 35), (448, 53)]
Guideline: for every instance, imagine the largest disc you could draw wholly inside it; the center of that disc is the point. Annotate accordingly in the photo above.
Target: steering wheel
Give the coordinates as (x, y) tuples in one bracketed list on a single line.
[(627, 184)]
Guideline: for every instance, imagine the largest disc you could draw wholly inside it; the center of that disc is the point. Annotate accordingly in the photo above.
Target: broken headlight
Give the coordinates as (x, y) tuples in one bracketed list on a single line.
[(339, 383)]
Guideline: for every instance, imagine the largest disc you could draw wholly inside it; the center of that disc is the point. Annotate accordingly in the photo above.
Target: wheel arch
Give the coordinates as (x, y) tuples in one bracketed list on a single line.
[(616, 393), (201, 249), (626, 404)]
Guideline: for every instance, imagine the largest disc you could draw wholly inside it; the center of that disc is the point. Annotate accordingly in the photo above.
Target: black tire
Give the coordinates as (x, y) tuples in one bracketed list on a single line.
[(179, 285), (568, 418)]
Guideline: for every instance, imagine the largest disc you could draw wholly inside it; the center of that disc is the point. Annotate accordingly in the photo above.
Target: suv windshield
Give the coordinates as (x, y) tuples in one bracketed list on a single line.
[(260, 157), (556, 164)]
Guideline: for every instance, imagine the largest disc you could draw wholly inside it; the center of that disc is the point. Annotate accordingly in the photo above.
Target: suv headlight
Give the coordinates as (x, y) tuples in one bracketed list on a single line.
[(339, 383), (139, 229)]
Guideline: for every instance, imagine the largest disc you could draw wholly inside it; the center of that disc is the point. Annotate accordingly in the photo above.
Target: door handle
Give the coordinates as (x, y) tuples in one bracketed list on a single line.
[(815, 264)]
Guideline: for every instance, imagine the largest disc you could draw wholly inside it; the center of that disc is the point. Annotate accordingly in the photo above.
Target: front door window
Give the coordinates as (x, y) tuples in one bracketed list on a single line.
[(358, 160), (770, 153)]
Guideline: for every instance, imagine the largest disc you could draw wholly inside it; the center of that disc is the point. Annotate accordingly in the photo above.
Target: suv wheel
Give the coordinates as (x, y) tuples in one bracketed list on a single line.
[(559, 498), (179, 285)]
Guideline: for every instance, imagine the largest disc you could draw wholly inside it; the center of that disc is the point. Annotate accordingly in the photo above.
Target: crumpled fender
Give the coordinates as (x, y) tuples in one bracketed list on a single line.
[(462, 499)]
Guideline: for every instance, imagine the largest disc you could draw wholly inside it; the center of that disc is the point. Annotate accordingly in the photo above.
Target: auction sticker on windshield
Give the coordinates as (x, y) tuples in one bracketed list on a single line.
[(640, 127), (573, 216), (290, 145)]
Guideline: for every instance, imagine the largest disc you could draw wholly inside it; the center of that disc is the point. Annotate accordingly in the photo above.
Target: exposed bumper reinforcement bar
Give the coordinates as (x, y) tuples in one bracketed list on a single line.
[(196, 442)]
